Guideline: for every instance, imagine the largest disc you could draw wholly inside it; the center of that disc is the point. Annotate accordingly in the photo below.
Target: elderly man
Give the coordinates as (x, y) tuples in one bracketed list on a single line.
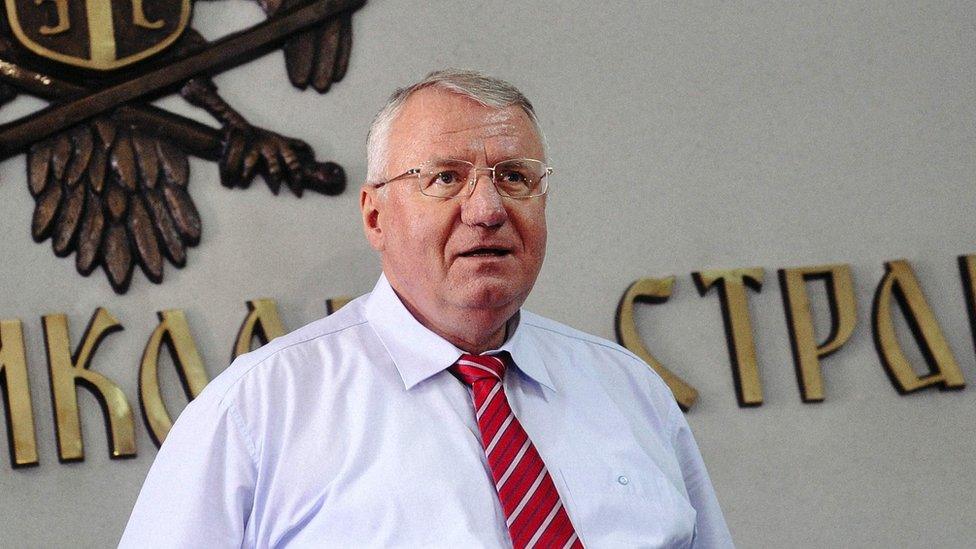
[(433, 411)]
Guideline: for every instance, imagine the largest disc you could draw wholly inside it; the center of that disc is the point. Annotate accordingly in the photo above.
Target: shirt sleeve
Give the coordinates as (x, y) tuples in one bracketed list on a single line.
[(200, 489), (710, 528)]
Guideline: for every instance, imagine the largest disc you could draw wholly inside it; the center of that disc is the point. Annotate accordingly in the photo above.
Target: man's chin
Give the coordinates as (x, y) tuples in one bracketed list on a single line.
[(492, 294)]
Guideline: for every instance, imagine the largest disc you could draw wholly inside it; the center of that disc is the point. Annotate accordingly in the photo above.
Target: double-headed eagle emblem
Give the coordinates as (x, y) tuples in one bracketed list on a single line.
[(108, 171)]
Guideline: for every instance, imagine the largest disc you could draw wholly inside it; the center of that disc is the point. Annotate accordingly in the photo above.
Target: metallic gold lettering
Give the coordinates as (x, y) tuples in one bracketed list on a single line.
[(799, 321), (101, 31), (335, 303), (900, 282), (173, 331), (262, 321), (650, 290), (67, 371), (63, 21), (139, 17), (967, 270), (16, 393), (731, 285)]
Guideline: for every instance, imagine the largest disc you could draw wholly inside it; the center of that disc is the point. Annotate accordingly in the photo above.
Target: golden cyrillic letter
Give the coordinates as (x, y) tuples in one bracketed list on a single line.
[(650, 290), (174, 332), (262, 321), (16, 395), (799, 321), (67, 371), (731, 285), (63, 21), (335, 303), (139, 17), (900, 282), (967, 270)]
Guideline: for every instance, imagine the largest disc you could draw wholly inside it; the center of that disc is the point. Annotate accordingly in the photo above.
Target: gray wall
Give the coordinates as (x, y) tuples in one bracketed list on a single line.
[(685, 136)]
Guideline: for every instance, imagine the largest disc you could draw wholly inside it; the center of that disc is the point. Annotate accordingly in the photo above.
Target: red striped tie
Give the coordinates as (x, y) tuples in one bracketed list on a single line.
[(536, 517)]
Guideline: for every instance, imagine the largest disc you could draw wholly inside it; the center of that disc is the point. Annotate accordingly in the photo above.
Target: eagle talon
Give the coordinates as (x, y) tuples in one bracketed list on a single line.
[(326, 178), (251, 151)]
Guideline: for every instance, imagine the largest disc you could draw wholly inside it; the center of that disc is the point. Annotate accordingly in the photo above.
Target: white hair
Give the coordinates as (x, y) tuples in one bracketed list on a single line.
[(489, 91)]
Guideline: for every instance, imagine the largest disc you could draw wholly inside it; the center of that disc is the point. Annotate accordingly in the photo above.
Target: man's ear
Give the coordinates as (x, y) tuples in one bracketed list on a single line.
[(370, 204)]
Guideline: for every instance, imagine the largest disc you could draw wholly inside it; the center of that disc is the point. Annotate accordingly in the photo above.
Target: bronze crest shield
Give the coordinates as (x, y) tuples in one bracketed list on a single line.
[(97, 34)]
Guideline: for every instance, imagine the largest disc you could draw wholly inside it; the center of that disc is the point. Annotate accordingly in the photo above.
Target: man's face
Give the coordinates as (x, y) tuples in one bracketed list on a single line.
[(471, 255)]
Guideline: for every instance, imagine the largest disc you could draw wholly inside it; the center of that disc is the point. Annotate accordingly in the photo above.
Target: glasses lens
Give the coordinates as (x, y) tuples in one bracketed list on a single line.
[(521, 177), (444, 178)]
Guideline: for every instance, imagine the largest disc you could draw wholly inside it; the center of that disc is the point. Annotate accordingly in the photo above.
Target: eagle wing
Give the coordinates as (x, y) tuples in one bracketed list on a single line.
[(318, 56), (115, 197)]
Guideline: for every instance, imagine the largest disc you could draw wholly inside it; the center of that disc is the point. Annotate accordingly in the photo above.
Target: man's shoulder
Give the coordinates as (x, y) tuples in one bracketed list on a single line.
[(577, 359), (300, 348)]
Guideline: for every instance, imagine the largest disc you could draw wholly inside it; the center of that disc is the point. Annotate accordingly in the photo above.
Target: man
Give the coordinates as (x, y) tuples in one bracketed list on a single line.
[(433, 412)]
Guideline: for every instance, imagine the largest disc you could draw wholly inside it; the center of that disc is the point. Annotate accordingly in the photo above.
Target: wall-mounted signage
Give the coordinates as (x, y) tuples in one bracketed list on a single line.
[(68, 370), (898, 289)]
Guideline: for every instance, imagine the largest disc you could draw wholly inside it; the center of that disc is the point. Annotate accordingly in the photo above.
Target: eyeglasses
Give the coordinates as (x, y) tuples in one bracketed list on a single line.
[(450, 178)]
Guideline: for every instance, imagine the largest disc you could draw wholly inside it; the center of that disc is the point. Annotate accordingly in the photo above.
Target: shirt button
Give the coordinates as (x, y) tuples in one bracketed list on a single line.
[(623, 480)]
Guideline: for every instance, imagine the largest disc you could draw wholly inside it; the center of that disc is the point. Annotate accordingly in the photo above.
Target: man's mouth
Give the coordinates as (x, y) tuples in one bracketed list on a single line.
[(486, 252)]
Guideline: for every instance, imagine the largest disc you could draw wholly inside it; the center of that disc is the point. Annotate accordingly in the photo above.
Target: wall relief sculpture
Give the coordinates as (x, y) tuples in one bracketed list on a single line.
[(108, 170)]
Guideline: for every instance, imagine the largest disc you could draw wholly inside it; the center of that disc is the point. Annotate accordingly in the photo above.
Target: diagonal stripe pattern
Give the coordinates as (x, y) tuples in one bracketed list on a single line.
[(535, 514)]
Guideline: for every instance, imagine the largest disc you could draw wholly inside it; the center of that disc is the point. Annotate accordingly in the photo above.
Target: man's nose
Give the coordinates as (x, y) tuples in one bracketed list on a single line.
[(484, 206)]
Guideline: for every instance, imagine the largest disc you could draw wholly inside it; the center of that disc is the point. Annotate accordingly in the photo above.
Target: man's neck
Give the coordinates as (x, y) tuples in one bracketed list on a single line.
[(474, 333)]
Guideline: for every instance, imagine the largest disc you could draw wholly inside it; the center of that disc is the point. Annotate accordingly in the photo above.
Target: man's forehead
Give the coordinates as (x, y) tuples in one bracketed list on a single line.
[(439, 117), (489, 123)]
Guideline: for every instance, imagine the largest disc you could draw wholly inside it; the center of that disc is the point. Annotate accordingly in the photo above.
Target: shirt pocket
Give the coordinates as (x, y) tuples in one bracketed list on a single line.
[(617, 507)]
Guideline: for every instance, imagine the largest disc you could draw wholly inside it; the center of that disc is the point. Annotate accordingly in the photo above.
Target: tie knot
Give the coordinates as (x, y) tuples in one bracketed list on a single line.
[(471, 368)]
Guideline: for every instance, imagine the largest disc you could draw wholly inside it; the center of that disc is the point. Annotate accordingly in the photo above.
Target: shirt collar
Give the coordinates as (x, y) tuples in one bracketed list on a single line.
[(419, 353), (524, 353)]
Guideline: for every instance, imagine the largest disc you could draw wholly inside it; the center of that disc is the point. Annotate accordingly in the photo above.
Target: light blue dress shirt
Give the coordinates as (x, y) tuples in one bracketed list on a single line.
[(350, 432)]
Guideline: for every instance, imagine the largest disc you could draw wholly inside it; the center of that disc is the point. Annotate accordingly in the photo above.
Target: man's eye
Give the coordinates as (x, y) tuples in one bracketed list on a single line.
[(510, 177), (446, 178)]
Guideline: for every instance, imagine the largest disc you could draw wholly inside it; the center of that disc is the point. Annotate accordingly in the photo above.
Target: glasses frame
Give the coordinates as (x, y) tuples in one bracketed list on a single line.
[(472, 178)]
